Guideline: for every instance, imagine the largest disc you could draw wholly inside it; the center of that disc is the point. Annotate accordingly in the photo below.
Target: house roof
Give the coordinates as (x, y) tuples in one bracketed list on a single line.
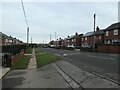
[(4, 35), (96, 33), (71, 37), (88, 34), (74, 36), (113, 26), (99, 32)]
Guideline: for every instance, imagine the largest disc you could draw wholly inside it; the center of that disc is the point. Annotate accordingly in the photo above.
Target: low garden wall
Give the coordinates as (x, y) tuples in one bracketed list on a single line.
[(115, 49), (12, 53), (16, 57)]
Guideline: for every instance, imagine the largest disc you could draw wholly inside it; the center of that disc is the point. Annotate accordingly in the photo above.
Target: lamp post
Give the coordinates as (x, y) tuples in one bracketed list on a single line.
[(94, 32)]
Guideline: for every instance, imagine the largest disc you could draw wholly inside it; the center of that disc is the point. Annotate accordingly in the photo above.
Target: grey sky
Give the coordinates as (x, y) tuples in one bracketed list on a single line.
[(64, 18)]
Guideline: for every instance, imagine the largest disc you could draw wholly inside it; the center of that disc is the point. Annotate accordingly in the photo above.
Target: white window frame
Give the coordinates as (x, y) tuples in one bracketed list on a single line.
[(74, 40), (115, 32), (82, 39), (99, 37), (107, 33), (85, 38)]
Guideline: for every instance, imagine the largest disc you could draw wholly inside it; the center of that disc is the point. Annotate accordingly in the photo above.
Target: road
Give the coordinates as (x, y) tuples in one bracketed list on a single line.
[(98, 63)]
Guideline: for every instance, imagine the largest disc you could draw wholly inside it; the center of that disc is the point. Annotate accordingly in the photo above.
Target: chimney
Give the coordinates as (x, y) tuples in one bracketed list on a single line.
[(97, 29), (76, 33)]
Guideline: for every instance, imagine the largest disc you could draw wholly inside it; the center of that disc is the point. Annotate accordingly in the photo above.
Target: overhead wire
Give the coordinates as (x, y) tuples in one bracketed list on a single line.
[(24, 13)]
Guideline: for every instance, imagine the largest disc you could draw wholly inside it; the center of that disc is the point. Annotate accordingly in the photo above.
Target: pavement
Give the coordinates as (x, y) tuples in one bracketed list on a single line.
[(104, 64), (60, 74), (32, 62), (83, 78), (3, 71)]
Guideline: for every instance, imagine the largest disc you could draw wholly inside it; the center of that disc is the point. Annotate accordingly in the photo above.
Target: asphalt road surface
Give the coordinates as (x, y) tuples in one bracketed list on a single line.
[(100, 63)]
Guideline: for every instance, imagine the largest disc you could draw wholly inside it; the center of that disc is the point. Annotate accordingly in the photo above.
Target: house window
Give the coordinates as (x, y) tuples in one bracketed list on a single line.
[(108, 42), (107, 33), (74, 40), (10, 40), (99, 37), (115, 41), (82, 39), (85, 38), (115, 32), (7, 40)]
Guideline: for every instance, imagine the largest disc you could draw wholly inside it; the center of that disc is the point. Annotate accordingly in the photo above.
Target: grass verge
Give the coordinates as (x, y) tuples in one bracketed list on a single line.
[(29, 51), (43, 58), (22, 63)]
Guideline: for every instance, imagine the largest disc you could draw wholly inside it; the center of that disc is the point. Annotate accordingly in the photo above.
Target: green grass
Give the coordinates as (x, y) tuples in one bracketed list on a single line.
[(45, 58), (29, 51), (38, 50), (22, 63)]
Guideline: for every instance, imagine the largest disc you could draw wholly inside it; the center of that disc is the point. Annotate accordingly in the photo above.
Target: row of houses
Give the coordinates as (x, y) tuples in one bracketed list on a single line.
[(109, 35), (8, 40)]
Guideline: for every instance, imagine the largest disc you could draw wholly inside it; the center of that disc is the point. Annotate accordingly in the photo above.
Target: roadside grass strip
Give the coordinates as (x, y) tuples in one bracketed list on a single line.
[(29, 51), (38, 51), (46, 58)]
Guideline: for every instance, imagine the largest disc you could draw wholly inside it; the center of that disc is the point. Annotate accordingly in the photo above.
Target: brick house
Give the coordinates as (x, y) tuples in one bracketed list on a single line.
[(64, 42), (112, 34), (73, 41), (69, 41), (76, 40), (99, 36), (5, 40), (87, 40), (0, 38), (111, 40), (8, 40)]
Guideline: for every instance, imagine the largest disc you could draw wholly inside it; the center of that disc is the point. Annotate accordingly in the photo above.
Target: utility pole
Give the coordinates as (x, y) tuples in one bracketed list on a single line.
[(50, 37), (94, 32), (31, 40), (55, 39), (55, 36), (27, 35)]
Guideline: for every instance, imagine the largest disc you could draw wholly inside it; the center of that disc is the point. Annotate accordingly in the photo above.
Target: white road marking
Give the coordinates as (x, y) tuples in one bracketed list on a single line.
[(57, 54), (71, 54), (64, 54), (100, 57)]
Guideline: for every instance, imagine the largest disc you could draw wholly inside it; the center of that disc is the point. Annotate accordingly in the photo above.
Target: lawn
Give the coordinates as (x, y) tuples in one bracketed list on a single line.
[(29, 51), (22, 63), (43, 58)]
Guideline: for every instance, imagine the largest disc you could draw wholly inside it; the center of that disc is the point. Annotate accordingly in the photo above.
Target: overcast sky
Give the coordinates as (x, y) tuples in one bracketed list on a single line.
[(64, 18)]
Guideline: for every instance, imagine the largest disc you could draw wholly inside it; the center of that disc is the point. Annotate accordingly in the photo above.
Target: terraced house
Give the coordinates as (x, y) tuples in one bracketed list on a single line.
[(8, 40), (112, 34), (104, 39), (88, 38)]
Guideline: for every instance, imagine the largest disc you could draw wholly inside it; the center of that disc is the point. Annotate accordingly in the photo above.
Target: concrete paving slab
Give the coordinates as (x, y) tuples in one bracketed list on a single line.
[(45, 77), (3, 71), (32, 62), (85, 79)]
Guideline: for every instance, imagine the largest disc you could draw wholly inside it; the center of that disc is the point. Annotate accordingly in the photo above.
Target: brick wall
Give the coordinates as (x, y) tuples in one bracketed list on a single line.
[(16, 57), (108, 49), (111, 36)]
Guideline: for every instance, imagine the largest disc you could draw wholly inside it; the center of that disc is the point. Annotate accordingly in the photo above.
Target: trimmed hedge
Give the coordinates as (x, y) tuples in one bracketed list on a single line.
[(14, 49)]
